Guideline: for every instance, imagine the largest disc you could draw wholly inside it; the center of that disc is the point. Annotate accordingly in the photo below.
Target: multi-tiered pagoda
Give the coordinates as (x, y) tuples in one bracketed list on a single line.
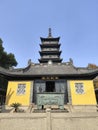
[(50, 49)]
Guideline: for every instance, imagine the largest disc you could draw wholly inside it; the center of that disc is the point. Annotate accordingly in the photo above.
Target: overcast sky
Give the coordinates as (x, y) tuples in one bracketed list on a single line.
[(23, 22)]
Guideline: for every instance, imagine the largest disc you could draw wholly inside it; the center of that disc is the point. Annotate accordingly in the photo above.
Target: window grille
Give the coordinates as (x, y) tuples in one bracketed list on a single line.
[(79, 88), (21, 89)]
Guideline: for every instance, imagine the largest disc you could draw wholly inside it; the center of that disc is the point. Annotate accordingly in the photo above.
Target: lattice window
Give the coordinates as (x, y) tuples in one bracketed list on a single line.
[(21, 89), (79, 88)]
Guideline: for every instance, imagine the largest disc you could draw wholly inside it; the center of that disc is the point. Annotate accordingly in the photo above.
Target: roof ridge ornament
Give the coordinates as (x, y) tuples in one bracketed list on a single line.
[(50, 34), (29, 62)]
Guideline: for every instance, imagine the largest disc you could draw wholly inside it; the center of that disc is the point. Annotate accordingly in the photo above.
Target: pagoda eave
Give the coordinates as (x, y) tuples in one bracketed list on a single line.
[(49, 45), (50, 52), (50, 39)]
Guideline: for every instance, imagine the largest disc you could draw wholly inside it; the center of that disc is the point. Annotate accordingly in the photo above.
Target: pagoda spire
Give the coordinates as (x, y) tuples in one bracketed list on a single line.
[(50, 34)]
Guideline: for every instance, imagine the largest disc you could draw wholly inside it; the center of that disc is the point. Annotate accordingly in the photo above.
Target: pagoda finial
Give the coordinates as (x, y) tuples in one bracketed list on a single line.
[(50, 34)]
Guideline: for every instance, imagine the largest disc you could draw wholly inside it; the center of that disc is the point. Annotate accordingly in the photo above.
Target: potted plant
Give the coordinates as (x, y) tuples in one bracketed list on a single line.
[(15, 106)]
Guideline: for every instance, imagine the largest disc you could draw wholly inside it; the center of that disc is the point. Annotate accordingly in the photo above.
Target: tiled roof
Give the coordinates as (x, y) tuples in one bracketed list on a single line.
[(59, 69)]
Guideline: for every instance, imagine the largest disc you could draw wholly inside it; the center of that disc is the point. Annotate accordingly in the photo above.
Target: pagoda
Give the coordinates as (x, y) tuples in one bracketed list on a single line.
[(50, 49)]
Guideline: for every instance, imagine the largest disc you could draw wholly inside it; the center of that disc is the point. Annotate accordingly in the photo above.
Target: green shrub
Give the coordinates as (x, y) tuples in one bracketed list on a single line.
[(15, 106)]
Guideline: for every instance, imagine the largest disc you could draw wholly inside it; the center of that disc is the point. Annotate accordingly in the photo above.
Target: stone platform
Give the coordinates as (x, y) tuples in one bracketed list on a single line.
[(49, 121)]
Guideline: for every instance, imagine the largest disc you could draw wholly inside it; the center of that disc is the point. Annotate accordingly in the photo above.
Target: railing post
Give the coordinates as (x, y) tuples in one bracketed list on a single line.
[(48, 112)]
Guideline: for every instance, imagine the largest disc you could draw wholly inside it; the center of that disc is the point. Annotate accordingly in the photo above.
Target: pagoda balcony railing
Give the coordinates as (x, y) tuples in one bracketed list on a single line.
[(50, 42), (49, 56), (50, 49)]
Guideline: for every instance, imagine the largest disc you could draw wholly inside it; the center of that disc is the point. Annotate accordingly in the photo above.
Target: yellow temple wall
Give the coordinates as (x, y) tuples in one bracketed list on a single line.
[(13, 97), (86, 98)]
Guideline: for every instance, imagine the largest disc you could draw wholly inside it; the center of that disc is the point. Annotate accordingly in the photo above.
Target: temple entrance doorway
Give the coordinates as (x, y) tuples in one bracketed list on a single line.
[(50, 86), (49, 90)]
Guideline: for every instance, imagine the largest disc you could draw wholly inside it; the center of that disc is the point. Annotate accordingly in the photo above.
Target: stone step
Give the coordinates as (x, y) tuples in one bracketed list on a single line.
[(52, 110)]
